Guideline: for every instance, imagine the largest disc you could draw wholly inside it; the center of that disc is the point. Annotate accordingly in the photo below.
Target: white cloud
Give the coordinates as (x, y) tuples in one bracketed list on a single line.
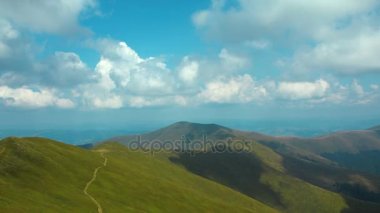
[(357, 88), (303, 90), (121, 67), (254, 19), (232, 61), (4, 50), (123, 79), (257, 44), (362, 96), (353, 54), (111, 102), (46, 16), (196, 71), (336, 35), (240, 89), (342, 35), (121, 74), (374, 86), (64, 103), (17, 56), (140, 82), (7, 34), (103, 70), (63, 69), (140, 101), (189, 70), (348, 94), (7, 31), (28, 98)]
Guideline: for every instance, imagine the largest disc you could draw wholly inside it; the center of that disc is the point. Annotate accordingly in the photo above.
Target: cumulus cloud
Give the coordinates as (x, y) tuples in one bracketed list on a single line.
[(240, 89), (60, 70), (140, 101), (140, 82), (357, 88), (303, 90), (59, 17), (360, 95), (29, 98), (7, 33), (255, 19), (374, 87), (110, 102), (232, 61), (20, 63), (353, 54), (121, 74), (121, 66), (16, 52), (257, 44), (340, 36), (64, 69), (203, 69), (189, 70)]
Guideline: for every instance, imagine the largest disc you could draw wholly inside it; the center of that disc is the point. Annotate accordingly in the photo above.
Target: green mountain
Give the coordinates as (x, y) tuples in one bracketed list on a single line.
[(355, 150), (176, 131), (40, 175), (278, 158), (248, 172)]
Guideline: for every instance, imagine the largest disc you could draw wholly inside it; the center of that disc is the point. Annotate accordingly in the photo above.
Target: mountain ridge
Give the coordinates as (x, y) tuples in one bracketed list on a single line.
[(304, 152), (196, 131)]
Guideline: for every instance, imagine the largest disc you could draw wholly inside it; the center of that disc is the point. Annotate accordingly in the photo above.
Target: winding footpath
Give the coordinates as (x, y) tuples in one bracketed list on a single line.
[(100, 210)]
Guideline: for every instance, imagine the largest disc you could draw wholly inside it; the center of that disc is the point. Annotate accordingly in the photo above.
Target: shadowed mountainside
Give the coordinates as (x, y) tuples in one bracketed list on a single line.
[(303, 158), (345, 141)]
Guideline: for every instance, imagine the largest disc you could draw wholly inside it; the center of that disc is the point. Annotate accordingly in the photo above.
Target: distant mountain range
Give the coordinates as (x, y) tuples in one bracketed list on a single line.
[(239, 171), (351, 143)]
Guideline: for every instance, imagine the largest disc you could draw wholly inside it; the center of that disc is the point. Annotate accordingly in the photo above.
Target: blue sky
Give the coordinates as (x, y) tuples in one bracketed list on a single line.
[(116, 64)]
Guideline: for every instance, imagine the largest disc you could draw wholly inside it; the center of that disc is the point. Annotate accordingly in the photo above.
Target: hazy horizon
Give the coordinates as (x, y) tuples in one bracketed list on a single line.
[(96, 133)]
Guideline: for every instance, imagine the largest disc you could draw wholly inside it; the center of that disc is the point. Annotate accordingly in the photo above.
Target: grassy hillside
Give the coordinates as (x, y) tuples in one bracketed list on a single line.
[(261, 175), (349, 142), (286, 173), (191, 131), (355, 150), (40, 175), (365, 161), (143, 182)]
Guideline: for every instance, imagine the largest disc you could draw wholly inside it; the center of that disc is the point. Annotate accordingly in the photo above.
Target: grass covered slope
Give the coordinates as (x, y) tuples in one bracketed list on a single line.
[(145, 183), (192, 131), (260, 174), (40, 175)]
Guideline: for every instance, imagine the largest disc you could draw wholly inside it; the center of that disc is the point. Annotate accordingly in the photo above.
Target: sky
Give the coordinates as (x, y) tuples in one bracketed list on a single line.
[(127, 64)]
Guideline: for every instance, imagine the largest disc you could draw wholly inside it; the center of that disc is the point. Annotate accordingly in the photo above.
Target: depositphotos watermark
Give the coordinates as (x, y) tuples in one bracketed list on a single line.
[(185, 144)]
